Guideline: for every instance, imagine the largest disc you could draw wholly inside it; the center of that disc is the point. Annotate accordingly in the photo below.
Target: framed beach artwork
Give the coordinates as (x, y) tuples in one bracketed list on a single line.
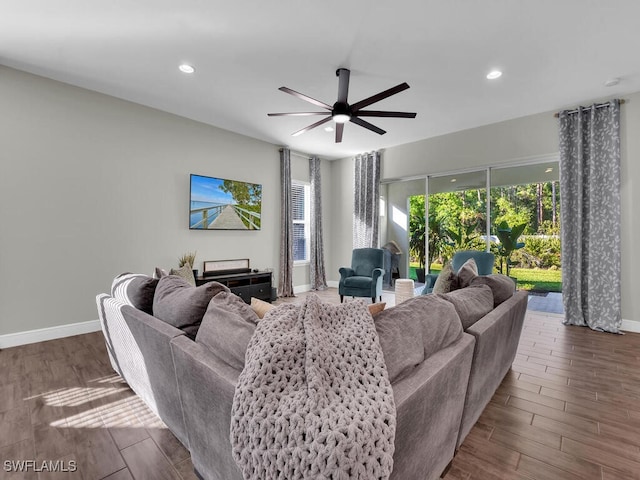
[(221, 204)]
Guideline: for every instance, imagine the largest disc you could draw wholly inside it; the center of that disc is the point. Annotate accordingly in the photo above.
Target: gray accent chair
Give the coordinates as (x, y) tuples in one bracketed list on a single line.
[(364, 278), (484, 261)]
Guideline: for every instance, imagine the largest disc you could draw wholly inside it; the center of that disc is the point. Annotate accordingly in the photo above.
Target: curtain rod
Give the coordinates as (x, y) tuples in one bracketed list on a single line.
[(597, 105)]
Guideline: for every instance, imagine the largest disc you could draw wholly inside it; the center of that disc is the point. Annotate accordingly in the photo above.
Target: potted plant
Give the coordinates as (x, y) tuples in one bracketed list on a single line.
[(508, 237)]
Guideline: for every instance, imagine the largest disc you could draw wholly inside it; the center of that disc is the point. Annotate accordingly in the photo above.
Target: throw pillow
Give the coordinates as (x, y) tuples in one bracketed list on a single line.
[(260, 307), (159, 273), (185, 272), (181, 304), (227, 327), (503, 287), (471, 303), (414, 330), (375, 308), (467, 272), (136, 290), (447, 280)]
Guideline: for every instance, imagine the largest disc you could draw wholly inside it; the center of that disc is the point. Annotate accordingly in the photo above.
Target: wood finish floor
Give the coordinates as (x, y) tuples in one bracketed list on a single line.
[(568, 409)]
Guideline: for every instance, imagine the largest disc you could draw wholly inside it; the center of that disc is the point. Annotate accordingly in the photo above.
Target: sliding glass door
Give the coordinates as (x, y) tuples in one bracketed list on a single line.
[(457, 214)]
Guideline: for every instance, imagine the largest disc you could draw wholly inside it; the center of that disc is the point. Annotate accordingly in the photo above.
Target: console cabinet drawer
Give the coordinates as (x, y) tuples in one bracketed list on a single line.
[(246, 285), (261, 291)]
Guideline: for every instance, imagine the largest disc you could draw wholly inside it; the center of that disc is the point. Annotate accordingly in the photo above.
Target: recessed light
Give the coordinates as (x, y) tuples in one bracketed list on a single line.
[(492, 75), (453, 180), (186, 68), (548, 170), (328, 129), (612, 82)]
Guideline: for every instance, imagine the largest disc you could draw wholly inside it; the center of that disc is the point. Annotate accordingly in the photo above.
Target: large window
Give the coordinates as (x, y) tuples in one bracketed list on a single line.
[(301, 230)]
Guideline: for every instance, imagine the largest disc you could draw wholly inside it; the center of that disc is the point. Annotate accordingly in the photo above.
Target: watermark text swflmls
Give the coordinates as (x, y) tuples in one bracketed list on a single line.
[(55, 466)]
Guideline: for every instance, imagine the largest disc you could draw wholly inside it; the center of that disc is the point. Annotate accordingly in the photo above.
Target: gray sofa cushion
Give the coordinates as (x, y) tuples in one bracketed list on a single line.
[(411, 332), (227, 327), (502, 286), (468, 271), (135, 289), (471, 303), (182, 305)]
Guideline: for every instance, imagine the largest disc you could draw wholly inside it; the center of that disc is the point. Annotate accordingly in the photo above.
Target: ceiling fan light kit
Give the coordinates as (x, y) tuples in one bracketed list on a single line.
[(341, 112)]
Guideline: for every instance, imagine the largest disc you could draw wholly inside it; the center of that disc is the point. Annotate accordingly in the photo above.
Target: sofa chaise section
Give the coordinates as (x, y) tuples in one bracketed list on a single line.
[(428, 409), (497, 335), (154, 337), (206, 386)]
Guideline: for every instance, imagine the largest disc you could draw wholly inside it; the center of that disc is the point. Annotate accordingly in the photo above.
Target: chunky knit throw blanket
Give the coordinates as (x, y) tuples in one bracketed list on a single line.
[(314, 400)]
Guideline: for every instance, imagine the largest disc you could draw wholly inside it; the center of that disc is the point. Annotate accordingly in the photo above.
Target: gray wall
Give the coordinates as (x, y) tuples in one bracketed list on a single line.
[(92, 186), (524, 138)]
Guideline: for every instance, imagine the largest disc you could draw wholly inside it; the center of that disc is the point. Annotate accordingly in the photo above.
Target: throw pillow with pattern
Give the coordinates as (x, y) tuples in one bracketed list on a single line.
[(185, 272), (447, 280)]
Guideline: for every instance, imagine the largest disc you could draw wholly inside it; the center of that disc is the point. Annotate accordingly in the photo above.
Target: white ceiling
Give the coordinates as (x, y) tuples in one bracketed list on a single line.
[(554, 54)]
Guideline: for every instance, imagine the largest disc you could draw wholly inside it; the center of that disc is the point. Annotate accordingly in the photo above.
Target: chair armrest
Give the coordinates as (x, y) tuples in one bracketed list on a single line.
[(377, 272), (430, 279), (346, 272), (429, 282)]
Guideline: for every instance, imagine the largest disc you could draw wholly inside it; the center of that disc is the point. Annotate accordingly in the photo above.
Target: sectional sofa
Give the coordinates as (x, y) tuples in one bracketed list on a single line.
[(181, 349)]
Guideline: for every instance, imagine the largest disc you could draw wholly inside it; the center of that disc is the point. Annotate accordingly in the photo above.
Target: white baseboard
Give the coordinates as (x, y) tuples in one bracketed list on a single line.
[(301, 289), (630, 326), (50, 333), (333, 283)]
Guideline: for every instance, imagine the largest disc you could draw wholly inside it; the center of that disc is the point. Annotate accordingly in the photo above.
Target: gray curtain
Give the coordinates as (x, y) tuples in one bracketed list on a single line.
[(285, 282), (590, 208), (317, 272), (366, 201)]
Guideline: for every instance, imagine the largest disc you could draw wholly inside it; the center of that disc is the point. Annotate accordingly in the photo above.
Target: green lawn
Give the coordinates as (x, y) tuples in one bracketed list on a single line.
[(528, 278)]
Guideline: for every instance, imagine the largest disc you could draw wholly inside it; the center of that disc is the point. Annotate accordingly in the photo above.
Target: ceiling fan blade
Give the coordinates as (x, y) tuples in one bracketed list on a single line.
[(306, 129), (306, 98), (378, 113), (343, 84), (339, 130), (367, 125), (297, 114), (380, 96)]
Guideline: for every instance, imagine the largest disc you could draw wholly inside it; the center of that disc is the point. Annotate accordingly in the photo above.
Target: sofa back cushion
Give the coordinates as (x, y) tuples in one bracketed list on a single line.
[(414, 330), (471, 303), (227, 327), (135, 289), (182, 305), (503, 287)]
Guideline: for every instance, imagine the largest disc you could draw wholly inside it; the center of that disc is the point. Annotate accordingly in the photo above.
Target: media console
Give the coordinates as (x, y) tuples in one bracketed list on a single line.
[(245, 285)]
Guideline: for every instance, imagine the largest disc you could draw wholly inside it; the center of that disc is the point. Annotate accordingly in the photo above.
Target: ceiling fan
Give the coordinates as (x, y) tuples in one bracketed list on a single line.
[(341, 112)]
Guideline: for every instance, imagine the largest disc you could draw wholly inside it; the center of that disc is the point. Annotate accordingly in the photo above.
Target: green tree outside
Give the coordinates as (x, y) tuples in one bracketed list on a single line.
[(457, 220)]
